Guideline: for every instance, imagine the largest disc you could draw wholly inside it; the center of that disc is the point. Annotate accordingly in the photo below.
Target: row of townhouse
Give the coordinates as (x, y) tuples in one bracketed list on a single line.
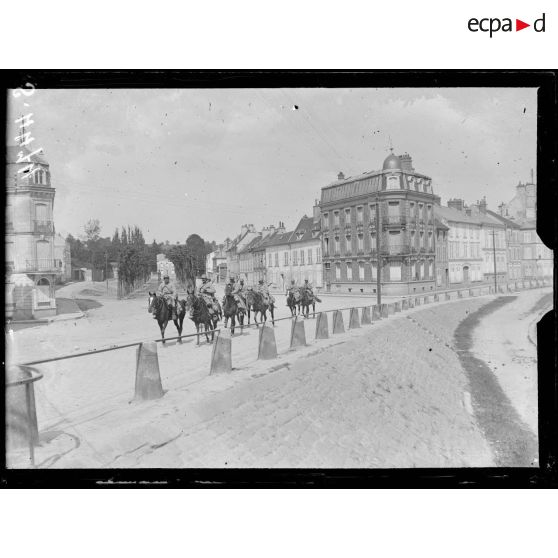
[(392, 220), (278, 256)]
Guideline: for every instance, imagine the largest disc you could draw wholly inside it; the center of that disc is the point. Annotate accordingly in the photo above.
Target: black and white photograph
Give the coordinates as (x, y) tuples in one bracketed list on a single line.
[(273, 278)]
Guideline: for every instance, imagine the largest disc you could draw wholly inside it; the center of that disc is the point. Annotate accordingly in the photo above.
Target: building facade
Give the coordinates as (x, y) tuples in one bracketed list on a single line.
[(464, 254), (31, 264), (247, 234), (305, 258), (277, 256), (537, 260), (392, 208)]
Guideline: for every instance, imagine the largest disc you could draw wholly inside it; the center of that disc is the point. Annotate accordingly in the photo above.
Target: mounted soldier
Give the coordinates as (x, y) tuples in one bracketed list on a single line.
[(239, 292), (309, 290), (168, 292), (263, 289), (207, 292)]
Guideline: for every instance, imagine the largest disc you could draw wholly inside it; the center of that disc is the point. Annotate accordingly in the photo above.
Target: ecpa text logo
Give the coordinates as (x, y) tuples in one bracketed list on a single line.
[(494, 24)]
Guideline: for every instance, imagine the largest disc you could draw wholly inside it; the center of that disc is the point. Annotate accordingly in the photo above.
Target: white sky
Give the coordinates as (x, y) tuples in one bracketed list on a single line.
[(177, 162)]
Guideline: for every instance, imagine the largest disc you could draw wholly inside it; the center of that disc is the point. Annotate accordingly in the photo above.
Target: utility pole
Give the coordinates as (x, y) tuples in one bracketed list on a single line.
[(494, 254), (106, 268), (379, 264)]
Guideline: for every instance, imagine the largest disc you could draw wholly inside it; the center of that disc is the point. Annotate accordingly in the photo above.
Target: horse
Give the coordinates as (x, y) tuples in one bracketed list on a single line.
[(232, 310), (163, 313), (306, 300), (293, 303), (256, 303), (201, 316)]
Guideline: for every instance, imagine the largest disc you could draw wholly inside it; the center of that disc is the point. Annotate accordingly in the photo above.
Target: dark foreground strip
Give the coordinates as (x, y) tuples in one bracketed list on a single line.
[(511, 440)]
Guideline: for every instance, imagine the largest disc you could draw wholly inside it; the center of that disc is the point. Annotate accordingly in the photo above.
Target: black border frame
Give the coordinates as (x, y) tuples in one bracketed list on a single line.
[(545, 476)]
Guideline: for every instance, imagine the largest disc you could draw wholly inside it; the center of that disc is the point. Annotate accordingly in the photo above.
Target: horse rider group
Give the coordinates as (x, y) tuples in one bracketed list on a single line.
[(239, 290), (298, 292)]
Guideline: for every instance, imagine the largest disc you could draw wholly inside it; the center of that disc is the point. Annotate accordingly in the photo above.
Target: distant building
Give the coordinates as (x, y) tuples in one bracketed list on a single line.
[(30, 248), (537, 260), (165, 267), (406, 230), (513, 237), (216, 264), (247, 234), (62, 257), (277, 251)]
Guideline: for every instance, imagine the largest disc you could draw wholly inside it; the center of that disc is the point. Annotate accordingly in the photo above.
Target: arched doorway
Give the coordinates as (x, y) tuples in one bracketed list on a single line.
[(43, 285)]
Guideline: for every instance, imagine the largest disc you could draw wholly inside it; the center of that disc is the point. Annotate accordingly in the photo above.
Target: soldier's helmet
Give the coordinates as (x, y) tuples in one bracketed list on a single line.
[(166, 276), (231, 279), (260, 281), (204, 277), (306, 280)]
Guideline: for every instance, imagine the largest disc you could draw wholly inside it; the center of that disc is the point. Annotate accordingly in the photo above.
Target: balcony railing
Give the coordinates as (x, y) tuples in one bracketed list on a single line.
[(43, 227), (43, 264), (396, 220), (395, 249)]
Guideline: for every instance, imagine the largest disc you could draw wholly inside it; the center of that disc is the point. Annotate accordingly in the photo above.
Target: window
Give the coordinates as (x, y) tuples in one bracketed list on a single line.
[(393, 211), (348, 216), (349, 271), (337, 271), (285, 258), (359, 214), (295, 259), (348, 246), (325, 220), (373, 242), (412, 210), (421, 239), (413, 239), (336, 245), (302, 257), (430, 241), (431, 274), (420, 211), (326, 246), (360, 243), (318, 256), (309, 256), (393, 183), (276, 259), (373, 268), (336, 218), (395, 272), (361, 271), (372, 208)]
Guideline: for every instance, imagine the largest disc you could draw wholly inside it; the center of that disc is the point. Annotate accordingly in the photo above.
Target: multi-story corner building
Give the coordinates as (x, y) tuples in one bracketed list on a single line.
[(465, 259), (405, 228), (441, 261), (30, 254), (305, 251), (536, 258)]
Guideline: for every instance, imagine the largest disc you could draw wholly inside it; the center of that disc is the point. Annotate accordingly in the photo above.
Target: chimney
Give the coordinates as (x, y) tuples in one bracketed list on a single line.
[(482, 205), (317, 212), (340, 176), (406, 162), (456, 203), (468, 211), (281, 227)]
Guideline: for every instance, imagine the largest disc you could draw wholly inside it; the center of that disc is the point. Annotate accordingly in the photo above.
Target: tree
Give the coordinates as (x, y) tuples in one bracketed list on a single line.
[(196, 246), (92, 230), (184, 267)]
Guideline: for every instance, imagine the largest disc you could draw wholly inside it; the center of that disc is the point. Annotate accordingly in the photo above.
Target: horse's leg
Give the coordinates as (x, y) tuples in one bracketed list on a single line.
[(272, 312), (162, 327), (198, 334)]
